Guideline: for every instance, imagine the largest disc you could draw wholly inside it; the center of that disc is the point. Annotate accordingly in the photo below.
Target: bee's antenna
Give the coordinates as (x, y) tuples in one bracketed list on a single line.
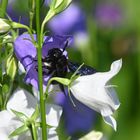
[(66, 45)]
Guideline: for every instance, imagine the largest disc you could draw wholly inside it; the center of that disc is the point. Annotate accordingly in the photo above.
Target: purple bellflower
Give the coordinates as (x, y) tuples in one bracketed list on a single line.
[(77, 119), (70, 21), (27, 55)]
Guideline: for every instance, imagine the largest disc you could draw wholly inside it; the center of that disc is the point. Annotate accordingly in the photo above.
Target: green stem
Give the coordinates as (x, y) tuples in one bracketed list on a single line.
[(3, 8), (31, 13), (47, 18), (40, 76), (34, 132)]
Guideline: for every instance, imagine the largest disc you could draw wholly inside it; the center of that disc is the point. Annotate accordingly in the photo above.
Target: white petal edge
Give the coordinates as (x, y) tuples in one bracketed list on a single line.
[(93, 135), (113, 96), (111, 121), (116, 66), (22, 101)]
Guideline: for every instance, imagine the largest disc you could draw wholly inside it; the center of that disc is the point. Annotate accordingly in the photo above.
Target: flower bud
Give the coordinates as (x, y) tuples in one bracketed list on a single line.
[(4, 26)]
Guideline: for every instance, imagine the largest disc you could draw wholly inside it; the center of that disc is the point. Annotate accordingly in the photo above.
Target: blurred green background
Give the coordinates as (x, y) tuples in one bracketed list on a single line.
[(114, 35)]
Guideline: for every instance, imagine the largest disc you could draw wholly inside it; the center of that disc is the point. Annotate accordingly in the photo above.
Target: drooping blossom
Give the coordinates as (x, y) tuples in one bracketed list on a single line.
[(23, 101), (95, 92)]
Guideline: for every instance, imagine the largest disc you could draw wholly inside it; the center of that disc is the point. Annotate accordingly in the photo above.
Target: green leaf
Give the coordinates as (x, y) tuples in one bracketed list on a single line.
[(35, 115), (55, 3), (11, 67), (56, 6), (19, 131), (74, 78), (63, 81), (20, 115), (61, 7)]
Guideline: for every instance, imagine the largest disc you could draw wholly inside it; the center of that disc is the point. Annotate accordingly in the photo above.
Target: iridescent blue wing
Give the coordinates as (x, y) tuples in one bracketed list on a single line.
[(85, 70)]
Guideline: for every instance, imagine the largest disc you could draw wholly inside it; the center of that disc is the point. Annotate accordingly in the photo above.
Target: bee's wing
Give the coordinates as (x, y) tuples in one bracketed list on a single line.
[(85, 70)]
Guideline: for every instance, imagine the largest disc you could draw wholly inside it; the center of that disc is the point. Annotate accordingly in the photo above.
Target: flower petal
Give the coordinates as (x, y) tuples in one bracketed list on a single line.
[(22, 101), (8, 123), (5, 115), (25, 50), (32, 78), (54, 113), (93, 91), (77, 119), (112, 93), (111, 121), (93, 135), (55, 41)]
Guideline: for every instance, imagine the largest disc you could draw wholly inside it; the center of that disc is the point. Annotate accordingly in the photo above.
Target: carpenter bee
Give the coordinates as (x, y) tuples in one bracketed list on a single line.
[(57, 64)]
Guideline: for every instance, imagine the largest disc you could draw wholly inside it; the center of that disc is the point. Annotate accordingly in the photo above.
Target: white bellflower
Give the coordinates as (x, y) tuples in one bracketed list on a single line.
[(95, 92)]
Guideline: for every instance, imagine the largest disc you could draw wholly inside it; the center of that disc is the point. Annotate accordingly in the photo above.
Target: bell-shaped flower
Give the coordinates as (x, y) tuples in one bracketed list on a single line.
[(24, 102), (95, 92), (27, 55)]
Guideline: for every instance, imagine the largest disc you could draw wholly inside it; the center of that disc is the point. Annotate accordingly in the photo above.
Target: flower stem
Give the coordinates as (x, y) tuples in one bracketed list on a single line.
[(40, 76), (3, 8), (31, 12), (47, 18), (34, 132)]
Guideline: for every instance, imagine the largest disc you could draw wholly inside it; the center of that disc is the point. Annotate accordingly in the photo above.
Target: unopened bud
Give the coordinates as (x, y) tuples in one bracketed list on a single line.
[(4, 26)]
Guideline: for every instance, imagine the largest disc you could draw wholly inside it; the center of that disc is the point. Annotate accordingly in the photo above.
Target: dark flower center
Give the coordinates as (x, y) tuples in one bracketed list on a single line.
[(54, 63)]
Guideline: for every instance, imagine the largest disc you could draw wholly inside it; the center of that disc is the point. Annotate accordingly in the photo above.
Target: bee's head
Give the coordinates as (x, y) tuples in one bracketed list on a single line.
[(55, 53)]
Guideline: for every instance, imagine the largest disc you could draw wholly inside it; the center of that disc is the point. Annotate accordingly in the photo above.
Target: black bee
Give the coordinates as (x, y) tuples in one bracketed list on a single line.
[(57, 64)]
